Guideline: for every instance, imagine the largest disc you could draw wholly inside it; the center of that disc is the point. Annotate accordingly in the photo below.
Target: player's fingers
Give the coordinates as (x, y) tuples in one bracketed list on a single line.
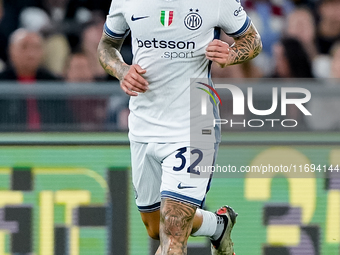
[(215, 54), (142, 83), (132, 82), (135, 81), (136, 73), (218, 48), (218, 45), (220, 61), (127, 91), (134, 85), (212, 48), (219, 58), (127, 87), (139, 69), (215, 42)]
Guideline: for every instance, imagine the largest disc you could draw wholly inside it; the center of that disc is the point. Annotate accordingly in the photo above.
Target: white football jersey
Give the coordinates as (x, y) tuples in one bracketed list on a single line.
[(169, 39)]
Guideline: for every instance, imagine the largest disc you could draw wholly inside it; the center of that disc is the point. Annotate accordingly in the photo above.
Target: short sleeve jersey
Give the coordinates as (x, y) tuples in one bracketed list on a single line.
[(169, 39)]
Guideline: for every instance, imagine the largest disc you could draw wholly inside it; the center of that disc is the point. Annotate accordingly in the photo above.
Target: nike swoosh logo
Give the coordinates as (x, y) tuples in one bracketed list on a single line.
[(137, 18), (185, 187)]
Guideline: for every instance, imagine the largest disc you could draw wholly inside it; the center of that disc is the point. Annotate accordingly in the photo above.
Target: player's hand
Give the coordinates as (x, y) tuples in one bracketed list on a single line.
[(133, 81), (218, 51)]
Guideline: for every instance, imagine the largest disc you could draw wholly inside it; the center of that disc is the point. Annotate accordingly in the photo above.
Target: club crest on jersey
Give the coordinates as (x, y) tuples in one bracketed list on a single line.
[(193, 20), (167, 18)]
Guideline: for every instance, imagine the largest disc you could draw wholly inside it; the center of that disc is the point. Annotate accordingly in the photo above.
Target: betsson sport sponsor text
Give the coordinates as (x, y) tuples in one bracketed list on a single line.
[(180, 49)]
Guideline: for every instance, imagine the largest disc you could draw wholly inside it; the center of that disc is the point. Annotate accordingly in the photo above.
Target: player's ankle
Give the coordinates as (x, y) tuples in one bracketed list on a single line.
[(219, 228), (212, 225)]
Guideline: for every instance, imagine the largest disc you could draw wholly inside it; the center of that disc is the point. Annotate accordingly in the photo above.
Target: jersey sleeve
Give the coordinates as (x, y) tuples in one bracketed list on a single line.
[(116, 26), (232, 18)]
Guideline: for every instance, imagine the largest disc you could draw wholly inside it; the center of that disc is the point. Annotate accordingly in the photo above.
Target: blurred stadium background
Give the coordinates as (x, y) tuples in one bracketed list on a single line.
[(64, 157)]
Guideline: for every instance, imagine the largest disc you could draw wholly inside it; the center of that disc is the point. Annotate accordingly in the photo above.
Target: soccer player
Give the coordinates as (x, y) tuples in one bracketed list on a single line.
[(173, 41)]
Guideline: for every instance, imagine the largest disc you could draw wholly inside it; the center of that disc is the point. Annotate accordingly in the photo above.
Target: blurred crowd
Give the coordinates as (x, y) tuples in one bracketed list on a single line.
[(301, 39), (57, 40)]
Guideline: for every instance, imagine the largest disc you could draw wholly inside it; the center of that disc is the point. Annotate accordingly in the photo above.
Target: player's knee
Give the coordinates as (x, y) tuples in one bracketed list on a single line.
[(153, 233), (152, 225), (153, 229)]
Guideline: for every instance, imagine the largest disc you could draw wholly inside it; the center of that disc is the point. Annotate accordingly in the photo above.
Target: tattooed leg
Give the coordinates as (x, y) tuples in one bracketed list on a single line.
[(175, 226), (151, 222)]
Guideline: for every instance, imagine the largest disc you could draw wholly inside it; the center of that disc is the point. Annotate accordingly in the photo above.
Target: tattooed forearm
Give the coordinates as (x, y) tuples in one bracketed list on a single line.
[(245, 47), (175, 226), (110, 57)]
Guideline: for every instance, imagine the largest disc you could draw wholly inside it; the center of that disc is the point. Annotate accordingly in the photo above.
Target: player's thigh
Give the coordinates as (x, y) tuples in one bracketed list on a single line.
[(146, 176), (180, 180)]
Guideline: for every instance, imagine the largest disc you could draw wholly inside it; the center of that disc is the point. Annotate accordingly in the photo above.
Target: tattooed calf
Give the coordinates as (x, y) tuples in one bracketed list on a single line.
[(175, 226)]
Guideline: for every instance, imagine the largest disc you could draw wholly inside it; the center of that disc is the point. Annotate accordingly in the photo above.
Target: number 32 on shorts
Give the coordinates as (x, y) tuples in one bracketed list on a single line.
[(191, 168)]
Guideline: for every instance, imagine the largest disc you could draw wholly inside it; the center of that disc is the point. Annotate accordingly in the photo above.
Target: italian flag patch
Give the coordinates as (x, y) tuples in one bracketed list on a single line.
[(167, 17)]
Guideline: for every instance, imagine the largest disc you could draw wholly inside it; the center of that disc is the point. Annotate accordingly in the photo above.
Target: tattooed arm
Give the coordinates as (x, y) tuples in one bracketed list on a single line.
[(246, 47), (131, 80)]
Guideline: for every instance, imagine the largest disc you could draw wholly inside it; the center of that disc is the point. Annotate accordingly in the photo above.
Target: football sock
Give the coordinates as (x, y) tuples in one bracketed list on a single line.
[(212, 225), (219, 228)]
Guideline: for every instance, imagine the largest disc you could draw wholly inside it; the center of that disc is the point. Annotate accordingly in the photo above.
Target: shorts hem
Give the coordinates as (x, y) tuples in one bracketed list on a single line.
[(150, 208), (181, 198)]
